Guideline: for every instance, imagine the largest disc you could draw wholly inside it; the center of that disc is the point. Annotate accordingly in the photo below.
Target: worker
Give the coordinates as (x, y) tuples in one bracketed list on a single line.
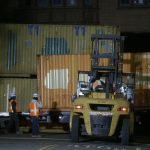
[(35, 107), (13, 112)]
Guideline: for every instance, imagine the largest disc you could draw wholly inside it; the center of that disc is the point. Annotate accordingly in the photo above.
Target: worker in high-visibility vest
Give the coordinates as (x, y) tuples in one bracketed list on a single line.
[(13, 112), (34, 114)]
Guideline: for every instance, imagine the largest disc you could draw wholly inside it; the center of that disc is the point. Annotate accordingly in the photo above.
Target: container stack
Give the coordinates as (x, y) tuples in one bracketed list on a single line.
[(20, 45), (46, 58)]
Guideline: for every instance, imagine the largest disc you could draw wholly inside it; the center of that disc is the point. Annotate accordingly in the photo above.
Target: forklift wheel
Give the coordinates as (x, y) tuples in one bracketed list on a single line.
[(125, 133), (75, 128)]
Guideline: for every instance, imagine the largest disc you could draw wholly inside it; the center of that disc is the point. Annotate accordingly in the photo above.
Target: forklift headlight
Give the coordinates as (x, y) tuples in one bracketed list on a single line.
[(122, 109), (78, 106)]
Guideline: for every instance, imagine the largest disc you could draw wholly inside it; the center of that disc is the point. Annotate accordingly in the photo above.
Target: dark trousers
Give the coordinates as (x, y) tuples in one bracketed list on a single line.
[(35, 125), (14, 120)]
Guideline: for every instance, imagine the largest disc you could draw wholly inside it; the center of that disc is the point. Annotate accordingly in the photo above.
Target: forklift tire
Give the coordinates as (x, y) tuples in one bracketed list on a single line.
[(75, 128), (125, 132)]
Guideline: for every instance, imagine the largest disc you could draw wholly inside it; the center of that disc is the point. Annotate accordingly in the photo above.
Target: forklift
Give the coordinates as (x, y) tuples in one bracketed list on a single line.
[(103, 102)]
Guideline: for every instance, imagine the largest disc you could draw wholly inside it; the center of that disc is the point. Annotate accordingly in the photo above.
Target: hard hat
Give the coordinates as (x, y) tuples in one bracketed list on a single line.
[(35, 95), (12, 94)]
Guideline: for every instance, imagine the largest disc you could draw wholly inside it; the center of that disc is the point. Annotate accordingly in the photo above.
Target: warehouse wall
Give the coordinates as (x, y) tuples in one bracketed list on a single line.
[(129, 19), (132, 18)]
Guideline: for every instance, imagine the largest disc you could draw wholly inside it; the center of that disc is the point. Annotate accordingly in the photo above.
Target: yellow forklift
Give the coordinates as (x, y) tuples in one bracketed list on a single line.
[(103, 103)]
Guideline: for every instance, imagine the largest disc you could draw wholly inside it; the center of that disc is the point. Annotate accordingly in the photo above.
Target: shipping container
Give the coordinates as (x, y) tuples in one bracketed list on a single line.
[(20, 43), (57, 77), (24, 89)]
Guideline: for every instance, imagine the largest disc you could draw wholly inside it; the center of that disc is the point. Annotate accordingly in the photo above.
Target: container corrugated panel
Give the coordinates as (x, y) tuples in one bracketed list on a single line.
[(24, 89), (20, 43), (57, 78)]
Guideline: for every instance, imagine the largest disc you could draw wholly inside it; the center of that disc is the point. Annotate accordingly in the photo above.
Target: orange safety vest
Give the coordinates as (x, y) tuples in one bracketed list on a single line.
[(34, 110), (10, 106)]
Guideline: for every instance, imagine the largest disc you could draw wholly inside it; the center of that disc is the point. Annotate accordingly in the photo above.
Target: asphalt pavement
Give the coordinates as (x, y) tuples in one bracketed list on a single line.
[(62, 141)]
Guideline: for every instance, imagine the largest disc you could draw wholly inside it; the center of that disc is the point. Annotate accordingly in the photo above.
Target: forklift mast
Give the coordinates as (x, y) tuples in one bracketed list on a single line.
[(107, 60), (107, 69)]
